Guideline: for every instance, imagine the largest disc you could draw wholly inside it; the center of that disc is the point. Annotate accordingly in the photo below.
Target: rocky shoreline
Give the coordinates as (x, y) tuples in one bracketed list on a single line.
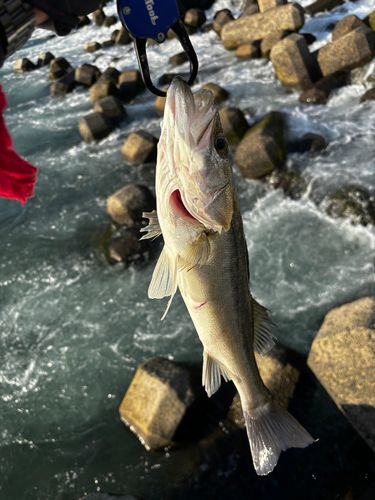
[(341, 356), (270, 30)]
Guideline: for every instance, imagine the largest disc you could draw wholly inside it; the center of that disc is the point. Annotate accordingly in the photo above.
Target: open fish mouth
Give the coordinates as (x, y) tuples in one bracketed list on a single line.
[(200, 218), (179, 208)]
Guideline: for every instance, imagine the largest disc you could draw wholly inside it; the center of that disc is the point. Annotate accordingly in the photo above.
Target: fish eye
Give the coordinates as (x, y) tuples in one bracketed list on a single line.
[(221, 145)]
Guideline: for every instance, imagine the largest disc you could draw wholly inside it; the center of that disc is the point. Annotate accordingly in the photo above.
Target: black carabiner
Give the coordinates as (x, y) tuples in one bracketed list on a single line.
[(152, 19), (140, 48)]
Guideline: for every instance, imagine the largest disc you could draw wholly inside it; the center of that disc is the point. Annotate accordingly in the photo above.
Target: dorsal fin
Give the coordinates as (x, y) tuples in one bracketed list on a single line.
[(197, 253), (164, 279), (211, 374), (153, 229), (264, 338)]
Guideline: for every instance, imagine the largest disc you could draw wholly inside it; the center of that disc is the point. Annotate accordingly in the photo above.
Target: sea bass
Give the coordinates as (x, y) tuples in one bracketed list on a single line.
[(205, 256)]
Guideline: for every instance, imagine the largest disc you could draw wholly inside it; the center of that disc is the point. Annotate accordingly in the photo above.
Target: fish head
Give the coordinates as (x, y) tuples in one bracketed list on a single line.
[(194, 175)]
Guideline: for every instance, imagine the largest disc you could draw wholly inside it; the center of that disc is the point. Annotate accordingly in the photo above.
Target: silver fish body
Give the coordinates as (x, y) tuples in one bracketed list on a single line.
[(205, 256)]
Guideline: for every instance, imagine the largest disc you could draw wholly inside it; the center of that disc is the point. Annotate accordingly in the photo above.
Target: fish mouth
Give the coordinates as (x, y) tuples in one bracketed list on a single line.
[(202, 218), (179, 208), (193, 114)]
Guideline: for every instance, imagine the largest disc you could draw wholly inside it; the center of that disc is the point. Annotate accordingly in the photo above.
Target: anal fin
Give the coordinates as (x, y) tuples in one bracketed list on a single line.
[(264, 337), (211, 374)]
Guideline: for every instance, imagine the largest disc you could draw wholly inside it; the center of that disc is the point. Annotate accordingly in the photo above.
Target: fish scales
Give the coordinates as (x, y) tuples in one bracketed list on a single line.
[(205, 256)]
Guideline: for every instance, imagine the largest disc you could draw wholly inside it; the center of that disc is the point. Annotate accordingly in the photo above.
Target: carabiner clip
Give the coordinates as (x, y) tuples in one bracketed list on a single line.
[(143, 19)]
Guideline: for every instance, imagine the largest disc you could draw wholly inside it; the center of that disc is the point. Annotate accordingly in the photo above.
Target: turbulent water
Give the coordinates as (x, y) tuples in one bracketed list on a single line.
[(73, 330)]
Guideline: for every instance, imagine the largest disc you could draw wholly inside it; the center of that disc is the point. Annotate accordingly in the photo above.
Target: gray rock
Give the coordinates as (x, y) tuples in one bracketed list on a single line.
[(342, 357), (130, 85), (110, 106), (159, 397), (114, 35), (44, 59), (270, 4), (103, 89), (263, 147), (64, 86), (195, 18), (139, 148), (270, 40), (246, 29), (87, 74), (108, 43), (123, 37), (295, 67), (349, 23), (220, 94), (178, 59), (83, 21), (309, 142), (92, 47), (110, 21), (221, 18), (160, 105), (350, 51), (289, 180), (110, 75), (248, 51), (250, 11), (126, 248), (322, 89), (98, 17), (314, 96), (247, 3), (126, 206), (234, 124), (352, 202), (207, 27), (23, 65), (322, 5), (58, 68), (369, 95), (95, 126)]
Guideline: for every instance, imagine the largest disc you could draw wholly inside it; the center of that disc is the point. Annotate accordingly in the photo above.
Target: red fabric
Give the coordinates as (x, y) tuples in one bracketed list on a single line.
[(17, 176)]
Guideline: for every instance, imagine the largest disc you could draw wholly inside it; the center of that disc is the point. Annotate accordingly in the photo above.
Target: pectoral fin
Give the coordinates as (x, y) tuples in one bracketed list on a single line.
[(164, 279), (153, 229), (197, 253), (211, 374), (264, 338)]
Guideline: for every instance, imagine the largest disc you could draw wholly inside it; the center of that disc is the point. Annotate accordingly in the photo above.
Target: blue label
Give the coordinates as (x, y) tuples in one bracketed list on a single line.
[(148, 18)]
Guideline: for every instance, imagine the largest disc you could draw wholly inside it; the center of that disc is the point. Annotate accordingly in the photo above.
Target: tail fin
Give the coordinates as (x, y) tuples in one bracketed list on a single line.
[(272, 429)]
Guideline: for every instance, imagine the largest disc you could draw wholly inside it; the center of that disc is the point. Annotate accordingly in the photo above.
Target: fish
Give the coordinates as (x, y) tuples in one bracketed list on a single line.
[(205, 256)]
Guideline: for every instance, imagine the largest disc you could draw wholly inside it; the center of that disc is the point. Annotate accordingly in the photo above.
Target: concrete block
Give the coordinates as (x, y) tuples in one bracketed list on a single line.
[(95, 126), (246, 29), (295, 67), (348, 52), (126, 206), (139, 148)]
